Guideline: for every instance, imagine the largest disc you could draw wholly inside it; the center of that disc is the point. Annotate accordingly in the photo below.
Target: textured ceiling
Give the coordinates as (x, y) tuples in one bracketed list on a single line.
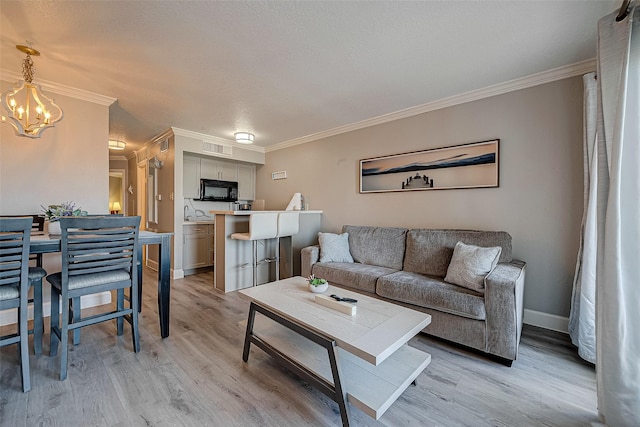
[(287, 70)]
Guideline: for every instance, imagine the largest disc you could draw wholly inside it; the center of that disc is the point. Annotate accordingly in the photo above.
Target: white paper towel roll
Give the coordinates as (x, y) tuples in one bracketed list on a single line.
[(296, 203)]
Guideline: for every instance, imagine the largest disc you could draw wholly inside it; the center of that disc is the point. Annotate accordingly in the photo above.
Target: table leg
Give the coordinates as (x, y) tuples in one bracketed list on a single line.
[(340, 392), (333, 390), (164, 284), (249, 332), (38, 322), (139, 261)]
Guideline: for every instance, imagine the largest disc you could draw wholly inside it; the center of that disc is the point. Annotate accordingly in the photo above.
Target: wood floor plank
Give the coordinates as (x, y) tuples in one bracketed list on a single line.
[(196, 377)]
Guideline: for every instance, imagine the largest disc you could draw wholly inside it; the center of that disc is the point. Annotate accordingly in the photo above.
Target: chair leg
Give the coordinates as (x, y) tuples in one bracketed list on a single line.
[(64, 339), (135, 332), (120, 307), (24, 345), (77, 315), (38, 321), (55, 322)]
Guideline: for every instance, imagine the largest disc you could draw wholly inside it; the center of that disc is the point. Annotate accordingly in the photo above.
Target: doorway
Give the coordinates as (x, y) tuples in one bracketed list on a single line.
[(117, 199)]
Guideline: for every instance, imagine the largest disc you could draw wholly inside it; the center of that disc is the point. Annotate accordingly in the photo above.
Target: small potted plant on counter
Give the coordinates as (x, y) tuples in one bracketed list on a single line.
[(317, 285)]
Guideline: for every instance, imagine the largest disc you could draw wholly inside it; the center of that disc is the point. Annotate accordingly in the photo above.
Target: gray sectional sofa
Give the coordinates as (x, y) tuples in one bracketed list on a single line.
[(408, 266)]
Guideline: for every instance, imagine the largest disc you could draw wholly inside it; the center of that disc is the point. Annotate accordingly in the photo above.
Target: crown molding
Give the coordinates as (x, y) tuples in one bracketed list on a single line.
[(216, 140), (543, 77), (164, 135), (60, 89)]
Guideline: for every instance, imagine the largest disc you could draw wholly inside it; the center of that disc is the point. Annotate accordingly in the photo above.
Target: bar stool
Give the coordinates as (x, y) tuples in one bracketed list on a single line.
[(262, 226), (288, 225)]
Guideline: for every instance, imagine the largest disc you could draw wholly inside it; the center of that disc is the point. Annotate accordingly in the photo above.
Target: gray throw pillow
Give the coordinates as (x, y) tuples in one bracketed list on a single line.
[(334, 247), (471, 264)]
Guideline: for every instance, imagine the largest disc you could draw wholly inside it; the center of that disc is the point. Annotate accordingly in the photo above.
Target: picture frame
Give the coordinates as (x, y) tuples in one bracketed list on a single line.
[(474, 165)]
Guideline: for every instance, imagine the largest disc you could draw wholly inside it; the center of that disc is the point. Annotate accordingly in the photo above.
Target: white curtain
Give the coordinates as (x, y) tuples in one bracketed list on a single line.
[(582, 319), (618, 221)]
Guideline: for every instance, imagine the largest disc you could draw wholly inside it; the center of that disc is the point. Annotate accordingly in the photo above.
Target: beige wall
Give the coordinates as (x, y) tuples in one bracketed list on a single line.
[(539, 201), (69, 162)]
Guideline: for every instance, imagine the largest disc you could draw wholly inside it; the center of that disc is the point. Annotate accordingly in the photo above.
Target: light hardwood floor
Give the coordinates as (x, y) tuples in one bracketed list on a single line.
[(196, 377)]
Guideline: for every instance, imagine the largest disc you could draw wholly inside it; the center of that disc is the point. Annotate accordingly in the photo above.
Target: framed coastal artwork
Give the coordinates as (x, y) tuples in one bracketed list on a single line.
[(472, 165)]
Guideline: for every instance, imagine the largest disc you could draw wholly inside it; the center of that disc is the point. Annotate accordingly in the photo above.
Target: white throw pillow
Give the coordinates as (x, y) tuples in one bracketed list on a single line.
[(334, 247), (471, 264)]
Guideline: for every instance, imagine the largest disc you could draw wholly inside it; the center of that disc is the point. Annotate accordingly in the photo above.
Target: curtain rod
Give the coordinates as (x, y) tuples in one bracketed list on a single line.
[(624, 10)]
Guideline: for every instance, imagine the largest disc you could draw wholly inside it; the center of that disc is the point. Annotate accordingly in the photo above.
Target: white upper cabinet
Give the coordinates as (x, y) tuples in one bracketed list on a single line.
[(227, 171), (246, 181), (218, 169), (191, 177), (224, 170)]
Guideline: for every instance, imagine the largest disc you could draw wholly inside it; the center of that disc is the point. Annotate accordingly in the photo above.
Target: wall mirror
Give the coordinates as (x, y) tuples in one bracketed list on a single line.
[(152, 190)]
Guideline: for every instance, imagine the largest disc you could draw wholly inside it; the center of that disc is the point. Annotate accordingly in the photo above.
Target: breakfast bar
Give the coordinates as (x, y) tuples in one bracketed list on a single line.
[(232, 258)]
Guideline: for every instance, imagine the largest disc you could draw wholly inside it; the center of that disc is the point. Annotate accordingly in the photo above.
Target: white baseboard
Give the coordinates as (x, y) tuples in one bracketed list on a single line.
[(8, 317), (176, 274), (546, 320), (152, 264)]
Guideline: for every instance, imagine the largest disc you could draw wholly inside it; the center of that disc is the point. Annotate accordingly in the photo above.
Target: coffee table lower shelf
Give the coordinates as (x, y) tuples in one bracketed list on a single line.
[(371, 388)]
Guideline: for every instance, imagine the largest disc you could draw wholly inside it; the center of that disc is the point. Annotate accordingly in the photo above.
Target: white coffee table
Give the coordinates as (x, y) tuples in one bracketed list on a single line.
[(363, 359)]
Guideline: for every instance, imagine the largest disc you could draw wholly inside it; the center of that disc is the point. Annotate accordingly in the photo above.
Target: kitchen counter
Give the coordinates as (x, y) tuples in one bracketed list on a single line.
[(231, 255), (239, 213), (199, 221)]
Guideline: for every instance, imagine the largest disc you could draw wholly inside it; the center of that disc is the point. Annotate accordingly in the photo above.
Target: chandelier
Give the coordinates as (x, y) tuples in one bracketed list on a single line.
[(28, 110)]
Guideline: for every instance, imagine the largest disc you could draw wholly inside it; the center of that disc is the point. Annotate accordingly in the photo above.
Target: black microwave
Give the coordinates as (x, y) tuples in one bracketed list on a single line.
[(212, 190)]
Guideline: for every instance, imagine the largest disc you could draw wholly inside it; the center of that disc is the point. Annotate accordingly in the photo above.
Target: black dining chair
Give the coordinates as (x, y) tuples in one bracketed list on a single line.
[(98, 254), (14, 285)]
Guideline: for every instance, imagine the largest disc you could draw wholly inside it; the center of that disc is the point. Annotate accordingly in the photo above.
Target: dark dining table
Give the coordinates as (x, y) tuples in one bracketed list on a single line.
[(50, 243)]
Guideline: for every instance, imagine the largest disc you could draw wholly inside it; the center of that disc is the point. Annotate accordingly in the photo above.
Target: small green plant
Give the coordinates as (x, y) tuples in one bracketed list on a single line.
[(316, 281), (55, 212)]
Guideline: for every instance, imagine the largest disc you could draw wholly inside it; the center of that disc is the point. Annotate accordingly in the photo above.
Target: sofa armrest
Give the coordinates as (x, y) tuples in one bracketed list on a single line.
[(503, 296), (308, 256)]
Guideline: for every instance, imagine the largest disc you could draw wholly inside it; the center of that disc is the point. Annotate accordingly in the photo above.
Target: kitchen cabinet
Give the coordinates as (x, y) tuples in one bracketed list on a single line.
[(191, 177), (246, 181), (218, 169), (197, 248), (225, 170)]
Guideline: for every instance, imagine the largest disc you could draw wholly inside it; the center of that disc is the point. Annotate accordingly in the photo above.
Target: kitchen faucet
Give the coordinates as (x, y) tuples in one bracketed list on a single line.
[(186, 209)]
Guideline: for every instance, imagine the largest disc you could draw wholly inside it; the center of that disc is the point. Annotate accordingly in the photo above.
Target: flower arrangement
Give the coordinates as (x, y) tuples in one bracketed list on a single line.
[(55, 212), (316, 281)]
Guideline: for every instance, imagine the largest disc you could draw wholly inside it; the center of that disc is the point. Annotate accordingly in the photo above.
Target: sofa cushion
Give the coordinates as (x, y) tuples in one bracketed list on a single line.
[(351, 275), (334, 247), (432, 293), (382, 246), (429, 252), (470, 264)]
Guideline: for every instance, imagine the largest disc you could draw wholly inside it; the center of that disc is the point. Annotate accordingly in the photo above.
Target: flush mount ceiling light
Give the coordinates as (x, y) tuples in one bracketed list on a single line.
[(116, 145), (28, 110), (244, 137)]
